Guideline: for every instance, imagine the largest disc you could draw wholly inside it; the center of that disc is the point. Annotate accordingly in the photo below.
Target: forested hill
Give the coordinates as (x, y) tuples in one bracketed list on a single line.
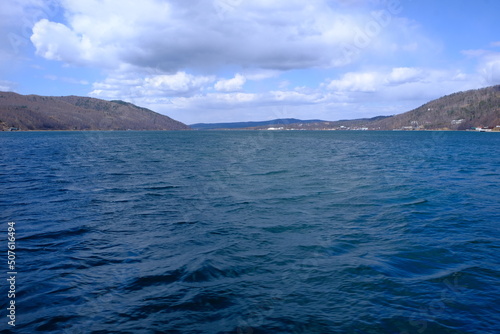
[(33, 112), (458, 111), (479, 108)]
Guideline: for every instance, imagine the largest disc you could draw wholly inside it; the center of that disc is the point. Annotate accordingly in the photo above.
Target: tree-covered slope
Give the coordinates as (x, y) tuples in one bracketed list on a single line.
[(32, 112), (458, 111)]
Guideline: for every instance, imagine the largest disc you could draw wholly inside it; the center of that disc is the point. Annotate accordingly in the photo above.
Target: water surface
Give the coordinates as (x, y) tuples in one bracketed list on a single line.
[(253, 232)]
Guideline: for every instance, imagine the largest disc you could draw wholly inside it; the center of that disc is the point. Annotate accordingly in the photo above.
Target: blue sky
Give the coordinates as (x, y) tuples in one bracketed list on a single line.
[(242, 60)]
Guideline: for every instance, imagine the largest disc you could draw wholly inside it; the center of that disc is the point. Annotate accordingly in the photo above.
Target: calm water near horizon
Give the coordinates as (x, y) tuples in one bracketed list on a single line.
[(252, 232)]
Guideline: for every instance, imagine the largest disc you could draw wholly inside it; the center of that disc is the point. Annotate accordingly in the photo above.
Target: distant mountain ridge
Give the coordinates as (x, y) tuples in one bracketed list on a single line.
[(478, 108), (346, 124), (33, 112), (241, 125)]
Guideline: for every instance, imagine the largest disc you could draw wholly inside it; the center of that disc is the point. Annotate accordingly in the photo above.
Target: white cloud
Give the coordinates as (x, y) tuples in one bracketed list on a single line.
[(399, 79), (181, 82), (139, 85), (294, 97), (192, 98), (230, 85), (356, 82), (402, 75), (176, 35), (64, 43), (227, 100)]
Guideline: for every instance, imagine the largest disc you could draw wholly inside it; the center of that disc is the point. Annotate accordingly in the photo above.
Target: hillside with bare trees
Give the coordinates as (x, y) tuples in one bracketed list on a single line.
[(33, 112), (478, 108), (458, 111)]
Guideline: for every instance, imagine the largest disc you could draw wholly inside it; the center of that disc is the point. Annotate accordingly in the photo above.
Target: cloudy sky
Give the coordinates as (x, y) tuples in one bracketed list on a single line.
[(241, 60)]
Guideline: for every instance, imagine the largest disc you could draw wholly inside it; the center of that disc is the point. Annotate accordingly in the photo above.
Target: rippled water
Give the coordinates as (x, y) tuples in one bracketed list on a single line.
[(253, 232)]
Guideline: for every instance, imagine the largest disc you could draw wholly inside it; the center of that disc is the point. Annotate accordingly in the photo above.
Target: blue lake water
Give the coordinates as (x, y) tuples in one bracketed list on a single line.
[(252, 232)]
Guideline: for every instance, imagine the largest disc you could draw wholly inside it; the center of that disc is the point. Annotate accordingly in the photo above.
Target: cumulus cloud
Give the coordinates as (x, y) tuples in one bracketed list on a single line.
[(398, 90), (356, 82), (193, 98), (231, 85), (62, 44), (399, 79), (181, 82), (172, 35), (295, 97), (237, 106), (402, 75), (134, 85)]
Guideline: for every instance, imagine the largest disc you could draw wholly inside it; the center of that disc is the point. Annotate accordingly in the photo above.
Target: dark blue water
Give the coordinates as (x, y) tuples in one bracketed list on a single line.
[(252, 232)]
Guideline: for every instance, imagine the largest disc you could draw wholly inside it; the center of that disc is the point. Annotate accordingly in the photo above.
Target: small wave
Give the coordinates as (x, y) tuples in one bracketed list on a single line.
[(207, 272), (153, 280), (55, 235), (416, 202), (271, 173), (185, 222), (421, 264)]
